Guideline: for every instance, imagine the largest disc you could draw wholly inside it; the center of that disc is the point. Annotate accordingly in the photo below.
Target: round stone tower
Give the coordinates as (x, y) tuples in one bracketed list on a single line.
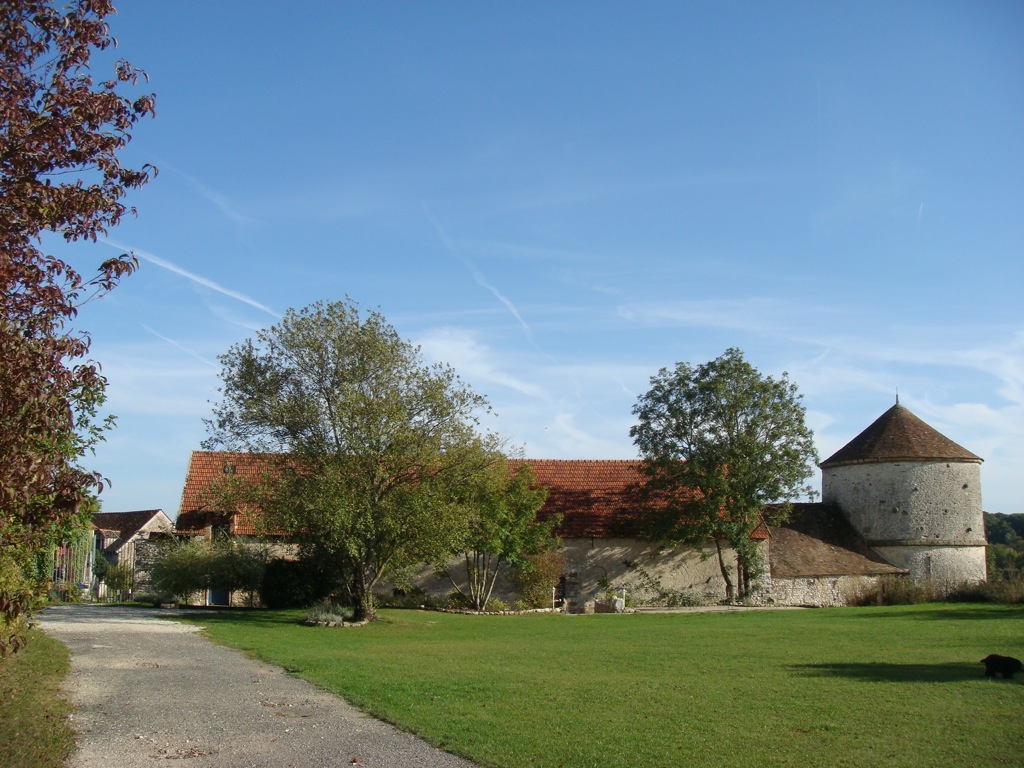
[(914, 495)]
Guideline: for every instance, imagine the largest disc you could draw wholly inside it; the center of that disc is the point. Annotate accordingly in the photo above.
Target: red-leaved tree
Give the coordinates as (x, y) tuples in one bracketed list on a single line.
[(60, 134)]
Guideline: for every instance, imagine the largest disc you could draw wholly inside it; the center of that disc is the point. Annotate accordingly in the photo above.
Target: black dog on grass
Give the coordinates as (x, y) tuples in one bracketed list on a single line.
[(1007, 666)]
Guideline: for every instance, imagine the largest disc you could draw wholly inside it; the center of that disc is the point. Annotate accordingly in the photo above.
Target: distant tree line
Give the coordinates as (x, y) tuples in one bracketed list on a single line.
[(1005, 534)]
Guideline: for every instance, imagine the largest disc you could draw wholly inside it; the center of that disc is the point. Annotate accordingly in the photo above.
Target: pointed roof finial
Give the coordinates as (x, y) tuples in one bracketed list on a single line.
[(897, 395)]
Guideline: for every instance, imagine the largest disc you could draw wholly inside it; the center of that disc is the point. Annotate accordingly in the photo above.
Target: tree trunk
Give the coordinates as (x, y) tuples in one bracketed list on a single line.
[(494, 578), (730, 590), (362, 598)]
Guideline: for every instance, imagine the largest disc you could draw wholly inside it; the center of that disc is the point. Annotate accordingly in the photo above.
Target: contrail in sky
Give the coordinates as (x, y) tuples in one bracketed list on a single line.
[(198, 279), (219, 201), (482, 282), (478, 276), (181, 347)]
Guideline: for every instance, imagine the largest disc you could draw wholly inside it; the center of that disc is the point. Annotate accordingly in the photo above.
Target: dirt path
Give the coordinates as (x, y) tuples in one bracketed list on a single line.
[(147, 690)]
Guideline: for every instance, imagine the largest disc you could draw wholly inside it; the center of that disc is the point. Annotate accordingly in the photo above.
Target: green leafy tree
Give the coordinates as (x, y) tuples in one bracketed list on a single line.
[(60, 134), (720, 442), (237, 565), (187, 566), (372, 443), (119, 579), (502, 504), (181, 568)]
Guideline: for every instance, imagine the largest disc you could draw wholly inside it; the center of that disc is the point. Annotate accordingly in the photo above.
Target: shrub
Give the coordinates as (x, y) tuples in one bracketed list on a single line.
[(457, 601), (496, 605), (64, 593), (100, 567), (899, 590), (191, 565), (535, 578), (181, 569), (327, 611), (1007, 590), (19, 596)]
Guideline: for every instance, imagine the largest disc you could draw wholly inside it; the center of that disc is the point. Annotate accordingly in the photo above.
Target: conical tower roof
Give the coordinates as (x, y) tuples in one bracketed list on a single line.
[(899, 435)]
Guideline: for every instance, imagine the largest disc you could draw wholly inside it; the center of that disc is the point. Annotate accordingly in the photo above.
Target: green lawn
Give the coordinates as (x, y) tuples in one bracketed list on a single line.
[(33, 730), (897, 686)]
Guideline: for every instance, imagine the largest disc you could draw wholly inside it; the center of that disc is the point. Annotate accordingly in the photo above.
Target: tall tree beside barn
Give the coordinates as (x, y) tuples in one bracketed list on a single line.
[(722, 446), (60, 135), (373, 443), (502, 504)]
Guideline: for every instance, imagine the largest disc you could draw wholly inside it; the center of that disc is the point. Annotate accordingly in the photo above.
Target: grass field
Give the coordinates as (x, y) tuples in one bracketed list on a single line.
[(33, 729), (897, 686)]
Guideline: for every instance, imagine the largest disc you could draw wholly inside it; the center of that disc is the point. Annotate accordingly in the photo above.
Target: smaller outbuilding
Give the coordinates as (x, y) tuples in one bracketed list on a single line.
[(119, 534)]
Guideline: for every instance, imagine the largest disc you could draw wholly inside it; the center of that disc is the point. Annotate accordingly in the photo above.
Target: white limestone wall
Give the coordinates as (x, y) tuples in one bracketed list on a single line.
[(949, 566), (644, 567), (924, 516), (818, 591), (913, 501)]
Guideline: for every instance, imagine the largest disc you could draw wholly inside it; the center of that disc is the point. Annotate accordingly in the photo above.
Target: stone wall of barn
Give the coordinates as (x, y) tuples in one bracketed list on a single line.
[(649, 574), (817, 591)]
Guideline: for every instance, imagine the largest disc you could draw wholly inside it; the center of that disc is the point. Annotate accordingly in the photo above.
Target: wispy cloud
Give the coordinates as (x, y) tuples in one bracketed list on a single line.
[(198, 279), (748, 314), (459, 349)]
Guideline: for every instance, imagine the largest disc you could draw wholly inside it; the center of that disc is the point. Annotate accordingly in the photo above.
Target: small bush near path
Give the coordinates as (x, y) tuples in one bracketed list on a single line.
[(34, 732), (897, 687)]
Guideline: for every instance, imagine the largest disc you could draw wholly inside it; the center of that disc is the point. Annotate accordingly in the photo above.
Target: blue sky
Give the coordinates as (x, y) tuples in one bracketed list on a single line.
[(558, 199)]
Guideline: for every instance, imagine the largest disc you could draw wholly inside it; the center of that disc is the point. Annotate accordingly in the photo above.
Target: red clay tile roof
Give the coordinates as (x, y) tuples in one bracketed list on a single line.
[(899, 435), (204, 469), (597, 498)]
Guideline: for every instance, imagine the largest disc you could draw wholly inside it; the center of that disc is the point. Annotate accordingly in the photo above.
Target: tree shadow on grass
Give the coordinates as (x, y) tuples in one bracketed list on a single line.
[(880, 672), (252, 618), (945, 612)]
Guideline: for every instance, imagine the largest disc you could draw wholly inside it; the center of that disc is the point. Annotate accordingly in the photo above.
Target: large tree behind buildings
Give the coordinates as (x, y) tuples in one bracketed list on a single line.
[(373, 443), (723, 446), (60, 135)]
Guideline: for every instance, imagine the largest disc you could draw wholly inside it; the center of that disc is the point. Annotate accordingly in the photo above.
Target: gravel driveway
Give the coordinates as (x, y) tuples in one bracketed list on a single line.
[(147, 690)]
